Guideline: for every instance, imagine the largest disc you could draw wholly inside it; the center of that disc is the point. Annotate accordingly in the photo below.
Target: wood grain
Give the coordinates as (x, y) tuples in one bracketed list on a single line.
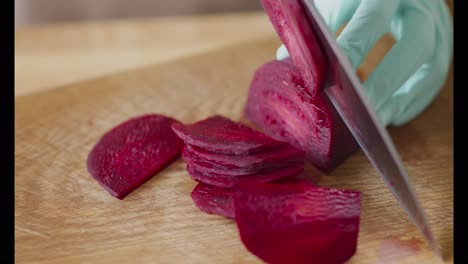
[(63, 216)]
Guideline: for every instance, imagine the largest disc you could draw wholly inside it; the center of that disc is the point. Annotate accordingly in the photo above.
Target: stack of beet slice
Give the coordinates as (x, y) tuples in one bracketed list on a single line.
[(247, 176), (221, 153)]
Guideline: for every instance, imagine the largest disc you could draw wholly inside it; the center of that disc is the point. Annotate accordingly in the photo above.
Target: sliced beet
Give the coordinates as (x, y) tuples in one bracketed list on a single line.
[(214, 200), (222, 135), (134, 151), (293, 27), (286, 153), (218, 200), (213, 167), (279, 104), (223, 180), (297, 222)]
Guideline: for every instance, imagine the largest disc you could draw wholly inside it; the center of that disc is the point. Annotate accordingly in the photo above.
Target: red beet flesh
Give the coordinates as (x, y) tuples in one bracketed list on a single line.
[(286, 153), (293, 27), (214, 200), (218, 200), (222, 135), (224, 180), (297, 222), (213, 167), (280, 105), (134, 151)]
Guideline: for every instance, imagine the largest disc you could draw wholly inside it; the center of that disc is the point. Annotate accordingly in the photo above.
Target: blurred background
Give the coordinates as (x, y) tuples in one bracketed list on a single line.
[(28, 12), (52, 47), (58, 42)]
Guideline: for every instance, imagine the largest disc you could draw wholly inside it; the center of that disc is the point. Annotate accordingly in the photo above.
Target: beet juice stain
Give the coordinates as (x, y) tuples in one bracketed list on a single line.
[(394, 249)]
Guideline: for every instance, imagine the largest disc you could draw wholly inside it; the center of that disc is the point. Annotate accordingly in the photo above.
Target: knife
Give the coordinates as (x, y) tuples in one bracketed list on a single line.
[(346, 93)]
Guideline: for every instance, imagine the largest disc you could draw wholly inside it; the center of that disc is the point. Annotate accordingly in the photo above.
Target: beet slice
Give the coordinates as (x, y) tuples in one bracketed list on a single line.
[(286, 153), (214, 200), (222, 135), (297, 222), (132, 152), (279, 104), (223, 180), (292, 25), (213, 167), (218, 200)]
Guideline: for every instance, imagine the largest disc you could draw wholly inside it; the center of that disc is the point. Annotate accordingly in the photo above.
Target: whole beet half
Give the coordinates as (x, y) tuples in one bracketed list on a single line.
[(281, 105)]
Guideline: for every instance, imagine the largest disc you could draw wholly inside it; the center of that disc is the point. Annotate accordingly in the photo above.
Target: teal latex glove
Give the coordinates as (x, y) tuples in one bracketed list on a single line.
[(412, 73)]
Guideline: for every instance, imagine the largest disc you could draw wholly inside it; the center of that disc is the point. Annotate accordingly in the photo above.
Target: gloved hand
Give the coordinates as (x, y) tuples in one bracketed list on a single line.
[(412, 73)]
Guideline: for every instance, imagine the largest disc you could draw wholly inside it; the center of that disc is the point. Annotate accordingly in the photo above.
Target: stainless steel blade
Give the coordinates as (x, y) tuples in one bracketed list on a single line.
[(347, 95)]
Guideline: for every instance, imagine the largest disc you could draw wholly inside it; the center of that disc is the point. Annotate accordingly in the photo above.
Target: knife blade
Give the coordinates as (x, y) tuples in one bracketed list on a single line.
[(346, 93)]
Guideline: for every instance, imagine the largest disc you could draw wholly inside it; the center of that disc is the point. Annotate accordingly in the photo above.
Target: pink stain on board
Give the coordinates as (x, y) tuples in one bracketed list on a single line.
[(393, 249)]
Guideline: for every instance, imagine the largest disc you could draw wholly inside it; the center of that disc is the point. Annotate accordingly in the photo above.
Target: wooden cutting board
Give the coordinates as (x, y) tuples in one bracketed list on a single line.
[(62, 215)]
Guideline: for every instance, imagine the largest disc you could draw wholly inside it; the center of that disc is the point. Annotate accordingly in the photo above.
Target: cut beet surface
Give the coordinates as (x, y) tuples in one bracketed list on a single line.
[(297, 222), (131, 153), (223, 180), (222, 135), (213, 167), (293, 27), (286, 153), (279, 104), (214, 200)]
